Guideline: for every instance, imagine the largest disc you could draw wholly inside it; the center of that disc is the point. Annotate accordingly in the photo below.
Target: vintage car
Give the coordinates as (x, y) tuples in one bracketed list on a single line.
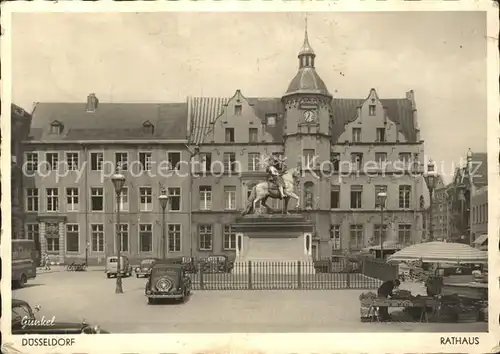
[(167, 281), (217, 264), (145, 267), (112, 266), (24, 321)]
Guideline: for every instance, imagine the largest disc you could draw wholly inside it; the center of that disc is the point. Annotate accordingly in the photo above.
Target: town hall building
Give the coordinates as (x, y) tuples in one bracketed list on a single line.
[(348, 151)]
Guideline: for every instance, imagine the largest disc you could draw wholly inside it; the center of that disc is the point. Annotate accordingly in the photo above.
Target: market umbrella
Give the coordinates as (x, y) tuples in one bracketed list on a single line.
[(440, 252)]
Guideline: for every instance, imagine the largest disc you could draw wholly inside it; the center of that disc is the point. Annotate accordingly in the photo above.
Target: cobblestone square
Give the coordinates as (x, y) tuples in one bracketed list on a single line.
[(90, 295)]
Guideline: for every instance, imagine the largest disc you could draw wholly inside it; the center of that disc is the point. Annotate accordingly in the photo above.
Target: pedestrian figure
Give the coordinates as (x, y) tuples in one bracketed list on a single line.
[(46, 261), (385, 291)]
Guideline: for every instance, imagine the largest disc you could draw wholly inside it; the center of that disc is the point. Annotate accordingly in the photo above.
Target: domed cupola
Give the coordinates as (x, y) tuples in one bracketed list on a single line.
[(307, 80)]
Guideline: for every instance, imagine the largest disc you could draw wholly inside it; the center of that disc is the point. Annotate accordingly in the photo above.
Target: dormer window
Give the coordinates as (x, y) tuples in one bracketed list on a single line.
[(148, 127), (56, 127), (372, 110), (237, 110), (271, 120)]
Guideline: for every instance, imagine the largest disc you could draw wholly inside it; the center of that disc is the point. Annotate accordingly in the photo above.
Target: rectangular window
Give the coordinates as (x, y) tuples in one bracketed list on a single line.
[(205, 198), (404, 234), (335, 197), (356, 236), (96, 161), (205, 235), (230, 197), (229, 135), (253, 135), (97, 237), (356, 196), (229, 162), (72, 161), (121, 160), (72, 199), (335, 237), (335, 161), (371, 110), (72, 238), (124, 240), (174, 199), (174, 237), (404, 196), (381, 135), (253, 161), (357, 161), (376, 234), (229, 238), (271, 120), (123, 200), (237, 110), (52, 199), (308, 156), (52, 244), (405, 159), (145, 161), (379, 189), (97, 199), (356, 135), (33, 231), (174, 160), (205, 162), (52, 159), (31, 162), (32, 200), (381, 159), (145, 199), (145, 238)]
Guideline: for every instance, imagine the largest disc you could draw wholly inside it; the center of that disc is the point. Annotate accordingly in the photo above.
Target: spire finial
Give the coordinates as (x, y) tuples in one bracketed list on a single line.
[(306, 47)]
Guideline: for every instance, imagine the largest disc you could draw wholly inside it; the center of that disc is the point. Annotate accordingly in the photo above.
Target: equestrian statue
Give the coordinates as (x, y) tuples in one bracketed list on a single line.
[(278, 186)]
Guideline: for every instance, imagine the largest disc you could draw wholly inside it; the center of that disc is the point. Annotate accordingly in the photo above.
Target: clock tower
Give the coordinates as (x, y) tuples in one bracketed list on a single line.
[(307, 113)]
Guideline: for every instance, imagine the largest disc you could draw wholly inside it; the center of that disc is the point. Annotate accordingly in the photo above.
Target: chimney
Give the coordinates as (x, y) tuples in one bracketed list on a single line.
[(92, 102)]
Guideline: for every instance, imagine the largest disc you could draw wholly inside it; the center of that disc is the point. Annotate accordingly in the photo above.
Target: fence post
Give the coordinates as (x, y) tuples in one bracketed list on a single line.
[(348, 280), (299, 273), (249, 275), (202, 285)]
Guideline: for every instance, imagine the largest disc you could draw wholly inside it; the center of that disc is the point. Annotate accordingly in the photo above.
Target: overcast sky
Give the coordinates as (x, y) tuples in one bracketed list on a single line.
[(165, 57)]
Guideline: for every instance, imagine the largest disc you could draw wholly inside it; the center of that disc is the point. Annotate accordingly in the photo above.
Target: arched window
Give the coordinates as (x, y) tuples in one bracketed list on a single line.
[(308, 195)]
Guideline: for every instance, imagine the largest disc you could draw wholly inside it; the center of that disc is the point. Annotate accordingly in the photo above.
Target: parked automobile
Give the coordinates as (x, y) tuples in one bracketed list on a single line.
[(217, 264), (112, 266), (145, 267), (337, 264), (24, 321), (167, 281)]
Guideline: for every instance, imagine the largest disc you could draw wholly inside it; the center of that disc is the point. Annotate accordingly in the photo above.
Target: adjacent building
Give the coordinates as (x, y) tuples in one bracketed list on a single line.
[(441, 211), (20, 129), (348, 150)]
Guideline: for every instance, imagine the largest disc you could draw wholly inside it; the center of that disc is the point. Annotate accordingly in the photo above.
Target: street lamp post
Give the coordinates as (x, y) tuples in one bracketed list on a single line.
[(118, 180), (382, 196), (87, 253), (163, 198), (430, 179), (471, 189)]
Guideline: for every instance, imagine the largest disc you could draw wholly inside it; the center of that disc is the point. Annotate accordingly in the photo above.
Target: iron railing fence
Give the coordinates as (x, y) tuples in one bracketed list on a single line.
[(281, 275)]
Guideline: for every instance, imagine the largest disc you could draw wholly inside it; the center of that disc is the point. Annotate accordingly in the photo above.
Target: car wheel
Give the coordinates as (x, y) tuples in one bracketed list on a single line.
[(151, 301), (22, 281), (108, 275), (137, 275)]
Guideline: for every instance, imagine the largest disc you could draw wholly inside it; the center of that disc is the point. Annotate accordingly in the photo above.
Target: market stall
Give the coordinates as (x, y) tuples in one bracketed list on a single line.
[(460, 301)]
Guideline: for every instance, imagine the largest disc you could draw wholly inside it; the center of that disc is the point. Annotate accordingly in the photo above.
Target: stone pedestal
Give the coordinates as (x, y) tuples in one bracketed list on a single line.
[(274, 243)]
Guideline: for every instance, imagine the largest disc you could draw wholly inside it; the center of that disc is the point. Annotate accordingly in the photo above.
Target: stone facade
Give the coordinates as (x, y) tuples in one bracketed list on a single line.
[(225, 140)]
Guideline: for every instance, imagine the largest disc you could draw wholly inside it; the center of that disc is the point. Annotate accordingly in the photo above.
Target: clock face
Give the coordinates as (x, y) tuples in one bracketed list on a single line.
[(309, 116)]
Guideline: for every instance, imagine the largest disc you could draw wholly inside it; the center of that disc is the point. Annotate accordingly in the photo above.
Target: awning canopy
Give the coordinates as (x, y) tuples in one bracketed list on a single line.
[(481, 239), (440, 252)]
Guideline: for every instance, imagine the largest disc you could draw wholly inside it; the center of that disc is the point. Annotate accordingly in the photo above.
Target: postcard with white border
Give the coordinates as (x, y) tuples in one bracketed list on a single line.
[(250, 177)]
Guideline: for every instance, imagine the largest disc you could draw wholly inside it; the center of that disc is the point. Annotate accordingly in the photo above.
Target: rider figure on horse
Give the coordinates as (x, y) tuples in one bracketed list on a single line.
[(273, 169)]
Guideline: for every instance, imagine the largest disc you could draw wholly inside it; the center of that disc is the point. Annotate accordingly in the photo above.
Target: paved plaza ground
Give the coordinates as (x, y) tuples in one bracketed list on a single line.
[(73, 296)]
